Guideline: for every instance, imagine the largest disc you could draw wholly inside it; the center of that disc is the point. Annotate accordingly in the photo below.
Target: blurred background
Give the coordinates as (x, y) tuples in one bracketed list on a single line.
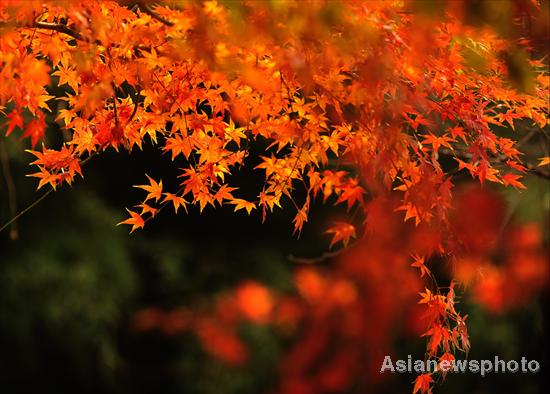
[(212, 303)]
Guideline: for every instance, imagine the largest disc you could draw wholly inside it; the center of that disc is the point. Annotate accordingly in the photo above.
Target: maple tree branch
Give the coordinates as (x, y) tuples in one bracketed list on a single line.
[(313, 260), (59, 28), (319, 259), (149, 11)]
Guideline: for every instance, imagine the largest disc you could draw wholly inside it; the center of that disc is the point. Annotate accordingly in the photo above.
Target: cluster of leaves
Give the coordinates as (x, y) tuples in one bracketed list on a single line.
[(351, 101)]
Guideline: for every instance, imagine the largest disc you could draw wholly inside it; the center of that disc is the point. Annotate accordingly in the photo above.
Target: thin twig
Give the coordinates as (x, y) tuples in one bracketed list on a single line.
[(526, 138), (12, 220), (319, 259)]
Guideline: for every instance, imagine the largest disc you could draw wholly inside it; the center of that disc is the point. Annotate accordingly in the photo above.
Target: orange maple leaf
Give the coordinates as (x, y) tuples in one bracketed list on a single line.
[(135, 220), (154, 189), (45, 177), (15, 120), (177, 201), (243, 204), (351, 193), (419, 263), (512, 180), (342, 232), (301, 217), (224, 193), (35, 129), (145, 208)]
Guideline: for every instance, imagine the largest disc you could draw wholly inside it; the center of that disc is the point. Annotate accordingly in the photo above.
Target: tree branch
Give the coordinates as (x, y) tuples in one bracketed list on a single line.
[(319, 259), (59, 28)]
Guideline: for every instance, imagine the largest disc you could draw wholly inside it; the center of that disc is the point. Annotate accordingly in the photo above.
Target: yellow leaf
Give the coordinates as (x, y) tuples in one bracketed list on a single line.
[(243, 204)]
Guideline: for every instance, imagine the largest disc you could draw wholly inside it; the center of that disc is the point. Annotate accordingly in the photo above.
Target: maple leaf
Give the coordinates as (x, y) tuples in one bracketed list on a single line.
[(193, 183), (516, 166), (45, 178), (342, 232), (411, 212), (512, 180), (179, 145), (437, 142), (154, 189), (485, 172), (427, 296), (423, 384), (145, 208), (463, 165), (351, 193), (458, 131), (509, 117), (204, 198), (447, 358), (437, 334), (41, 101), (301, 217), (242, 204), (269, 201), (544, 161), (35, 129), (57, 160), (67, 74), (224, 193), (15, 120), (135, 220), (419, 263), (176, 200), (234, 134), (417, 121)]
